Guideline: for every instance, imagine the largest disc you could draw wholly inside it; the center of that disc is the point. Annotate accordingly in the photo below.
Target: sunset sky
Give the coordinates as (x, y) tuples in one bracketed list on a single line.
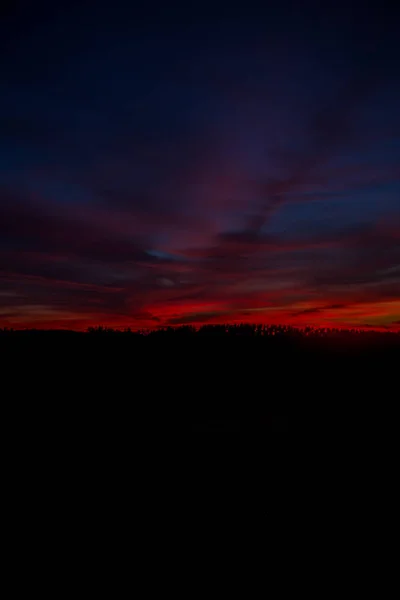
[(161, 166)]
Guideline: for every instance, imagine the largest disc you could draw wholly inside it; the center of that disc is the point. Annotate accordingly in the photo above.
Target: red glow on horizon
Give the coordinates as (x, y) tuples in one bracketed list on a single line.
[(372, 316)]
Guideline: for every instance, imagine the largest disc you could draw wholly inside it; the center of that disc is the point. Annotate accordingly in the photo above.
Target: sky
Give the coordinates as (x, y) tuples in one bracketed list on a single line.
[(165, 165)]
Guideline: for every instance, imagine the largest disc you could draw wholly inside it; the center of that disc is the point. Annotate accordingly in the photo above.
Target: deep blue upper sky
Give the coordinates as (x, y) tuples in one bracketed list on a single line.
[(161, 165)]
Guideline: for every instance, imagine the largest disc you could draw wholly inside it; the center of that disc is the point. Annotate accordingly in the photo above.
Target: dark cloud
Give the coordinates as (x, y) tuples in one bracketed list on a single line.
[(307, 311), (334, 306), (39, 228)]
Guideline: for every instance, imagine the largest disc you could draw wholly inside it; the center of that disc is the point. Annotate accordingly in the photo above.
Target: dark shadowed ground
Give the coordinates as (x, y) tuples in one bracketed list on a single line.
[(111, 387)]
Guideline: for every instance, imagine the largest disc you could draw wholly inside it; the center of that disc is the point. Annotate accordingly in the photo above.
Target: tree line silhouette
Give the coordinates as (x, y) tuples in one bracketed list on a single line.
[(223, 330)]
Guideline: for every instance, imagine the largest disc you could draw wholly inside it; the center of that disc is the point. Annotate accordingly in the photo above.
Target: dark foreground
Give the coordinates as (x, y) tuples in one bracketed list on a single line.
[(243, 381)]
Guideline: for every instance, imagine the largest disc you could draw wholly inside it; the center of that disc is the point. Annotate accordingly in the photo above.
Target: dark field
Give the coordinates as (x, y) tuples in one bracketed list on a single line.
[(240, 380)]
